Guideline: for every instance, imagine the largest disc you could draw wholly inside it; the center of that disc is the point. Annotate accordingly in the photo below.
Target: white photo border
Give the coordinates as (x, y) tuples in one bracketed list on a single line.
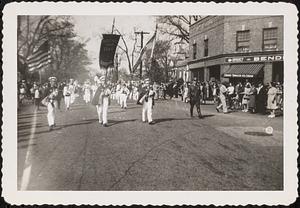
[(9, 128)]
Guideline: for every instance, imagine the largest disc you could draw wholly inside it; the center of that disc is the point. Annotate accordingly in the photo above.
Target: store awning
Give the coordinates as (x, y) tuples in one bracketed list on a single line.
[(243, 70)]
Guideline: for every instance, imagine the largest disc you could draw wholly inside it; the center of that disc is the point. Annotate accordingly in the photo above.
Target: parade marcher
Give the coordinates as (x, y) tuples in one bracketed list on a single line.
[(118, 92), (222, 96), (37, 96), (102, 100), (124, 92), (50, 101), (72, 91), (146, 99), (87, 92), (194, 95), (67, 96)]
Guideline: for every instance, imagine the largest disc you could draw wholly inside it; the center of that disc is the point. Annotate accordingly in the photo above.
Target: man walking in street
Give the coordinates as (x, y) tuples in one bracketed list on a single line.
[(146, 99), (124, 92), (102, 100), (222, 96), (194, 95)]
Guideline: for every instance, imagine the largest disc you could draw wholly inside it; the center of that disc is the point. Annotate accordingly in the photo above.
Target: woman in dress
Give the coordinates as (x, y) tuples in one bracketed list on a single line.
[(246, 98), (271, 103)]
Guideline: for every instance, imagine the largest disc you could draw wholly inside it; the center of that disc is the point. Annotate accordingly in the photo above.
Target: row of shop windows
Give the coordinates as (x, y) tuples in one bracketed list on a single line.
[(243, 38), (215, 74)]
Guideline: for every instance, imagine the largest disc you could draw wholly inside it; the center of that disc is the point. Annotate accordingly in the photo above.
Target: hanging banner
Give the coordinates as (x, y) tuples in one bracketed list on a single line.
[(107, 50)]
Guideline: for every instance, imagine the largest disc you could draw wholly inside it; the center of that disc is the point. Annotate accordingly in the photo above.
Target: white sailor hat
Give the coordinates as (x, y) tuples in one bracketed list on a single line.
[(52, 79)]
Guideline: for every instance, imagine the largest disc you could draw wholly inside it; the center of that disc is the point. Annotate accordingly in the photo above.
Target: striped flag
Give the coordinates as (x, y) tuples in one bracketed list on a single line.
[(149, 44), (40, 58)]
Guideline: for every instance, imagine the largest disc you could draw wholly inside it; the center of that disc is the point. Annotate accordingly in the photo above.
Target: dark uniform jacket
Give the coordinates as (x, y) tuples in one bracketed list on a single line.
[(194, 93)]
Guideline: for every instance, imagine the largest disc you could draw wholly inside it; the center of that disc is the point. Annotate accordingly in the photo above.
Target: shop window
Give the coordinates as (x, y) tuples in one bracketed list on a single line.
[(269, 39), (206, 47), (242, 40), (194, 50)]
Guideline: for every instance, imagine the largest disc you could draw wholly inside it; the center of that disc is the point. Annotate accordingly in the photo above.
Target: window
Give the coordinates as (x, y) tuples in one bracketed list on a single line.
[(242, 40), (194, 50), (269, 39), (206, 47)]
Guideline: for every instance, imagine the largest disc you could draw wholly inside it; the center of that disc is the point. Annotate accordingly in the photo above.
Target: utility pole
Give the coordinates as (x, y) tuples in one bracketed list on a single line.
[(142, 37), (117, 65)]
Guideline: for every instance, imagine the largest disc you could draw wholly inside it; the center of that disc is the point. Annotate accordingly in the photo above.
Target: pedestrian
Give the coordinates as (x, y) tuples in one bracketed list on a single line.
[(252, 99), (102, 100), (185, 92), (146, 99), (246, 97), (230, 91), (194, 95), (60, 94), (272, 104), (222, 97)]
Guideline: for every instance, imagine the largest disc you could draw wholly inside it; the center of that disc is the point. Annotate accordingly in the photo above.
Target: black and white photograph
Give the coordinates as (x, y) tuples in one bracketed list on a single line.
[(172, 101)]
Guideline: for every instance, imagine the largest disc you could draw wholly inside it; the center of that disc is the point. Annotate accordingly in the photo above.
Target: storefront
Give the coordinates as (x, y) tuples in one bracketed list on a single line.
[(263, 68)]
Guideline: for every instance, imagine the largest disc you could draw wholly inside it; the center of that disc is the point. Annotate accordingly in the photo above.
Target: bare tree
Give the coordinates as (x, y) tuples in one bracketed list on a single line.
[(126, 51), (177, 26)]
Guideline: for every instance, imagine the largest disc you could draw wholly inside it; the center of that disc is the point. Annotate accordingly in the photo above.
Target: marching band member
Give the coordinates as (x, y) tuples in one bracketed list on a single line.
[(51, 103), (67, 95), (72, 90), (124, 92), (147, 100), (101, 100), (87, 92)]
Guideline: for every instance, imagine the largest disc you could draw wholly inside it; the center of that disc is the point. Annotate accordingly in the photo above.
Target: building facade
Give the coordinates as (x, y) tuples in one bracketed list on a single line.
[(235, 48)]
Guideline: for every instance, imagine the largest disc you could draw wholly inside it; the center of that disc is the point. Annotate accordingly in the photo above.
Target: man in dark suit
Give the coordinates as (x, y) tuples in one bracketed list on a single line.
[(194, 94)]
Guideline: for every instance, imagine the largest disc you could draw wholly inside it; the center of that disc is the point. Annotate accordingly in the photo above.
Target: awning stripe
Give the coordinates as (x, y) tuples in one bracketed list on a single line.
[(249, 70)]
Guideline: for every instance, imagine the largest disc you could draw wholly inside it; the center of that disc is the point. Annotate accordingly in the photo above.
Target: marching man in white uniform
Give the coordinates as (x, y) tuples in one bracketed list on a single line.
[(87, 92), (67, 95), (147, 100), (124, 92), (101, 100)]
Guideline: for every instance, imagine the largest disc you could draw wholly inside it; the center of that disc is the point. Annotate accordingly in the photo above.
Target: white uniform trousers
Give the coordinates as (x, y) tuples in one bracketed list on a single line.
[(147, 110), (72, 98), (51, 114), (118, 93), (102, 111), (67, 101), (123, 100), (223, 103)]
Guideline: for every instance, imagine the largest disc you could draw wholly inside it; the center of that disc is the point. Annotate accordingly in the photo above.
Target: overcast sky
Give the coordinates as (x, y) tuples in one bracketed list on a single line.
[(91, 27)]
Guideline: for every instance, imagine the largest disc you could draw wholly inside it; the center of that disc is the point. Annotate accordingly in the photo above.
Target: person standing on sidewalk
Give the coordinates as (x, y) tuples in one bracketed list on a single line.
[(222, 96), (194, 95)]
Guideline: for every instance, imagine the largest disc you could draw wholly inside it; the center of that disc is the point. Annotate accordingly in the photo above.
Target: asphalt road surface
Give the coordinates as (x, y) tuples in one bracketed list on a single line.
[(220, 152)]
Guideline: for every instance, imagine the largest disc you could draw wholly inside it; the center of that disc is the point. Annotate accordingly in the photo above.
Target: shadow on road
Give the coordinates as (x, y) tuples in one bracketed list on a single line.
[(160, 120), (257, 133), (114, 122)]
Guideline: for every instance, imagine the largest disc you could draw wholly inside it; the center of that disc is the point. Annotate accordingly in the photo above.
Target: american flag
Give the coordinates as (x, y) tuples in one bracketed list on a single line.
[(40, 58)]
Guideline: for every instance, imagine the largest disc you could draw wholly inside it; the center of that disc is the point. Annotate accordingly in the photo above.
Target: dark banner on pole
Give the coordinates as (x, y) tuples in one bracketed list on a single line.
[(107, 50)]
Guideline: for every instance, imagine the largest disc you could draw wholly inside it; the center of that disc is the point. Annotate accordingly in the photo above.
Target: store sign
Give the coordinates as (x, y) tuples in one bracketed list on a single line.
[(254, 59), (238, 75)]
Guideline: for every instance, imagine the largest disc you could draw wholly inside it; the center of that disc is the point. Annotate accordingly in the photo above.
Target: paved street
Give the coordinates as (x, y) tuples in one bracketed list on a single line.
[(220, 152)]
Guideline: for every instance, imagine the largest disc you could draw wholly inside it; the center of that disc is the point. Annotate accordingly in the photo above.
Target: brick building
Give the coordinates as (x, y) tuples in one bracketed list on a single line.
[(235, 48)]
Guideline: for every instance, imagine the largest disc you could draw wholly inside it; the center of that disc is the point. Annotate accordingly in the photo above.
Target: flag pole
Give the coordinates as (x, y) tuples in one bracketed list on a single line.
[(152, 51)]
